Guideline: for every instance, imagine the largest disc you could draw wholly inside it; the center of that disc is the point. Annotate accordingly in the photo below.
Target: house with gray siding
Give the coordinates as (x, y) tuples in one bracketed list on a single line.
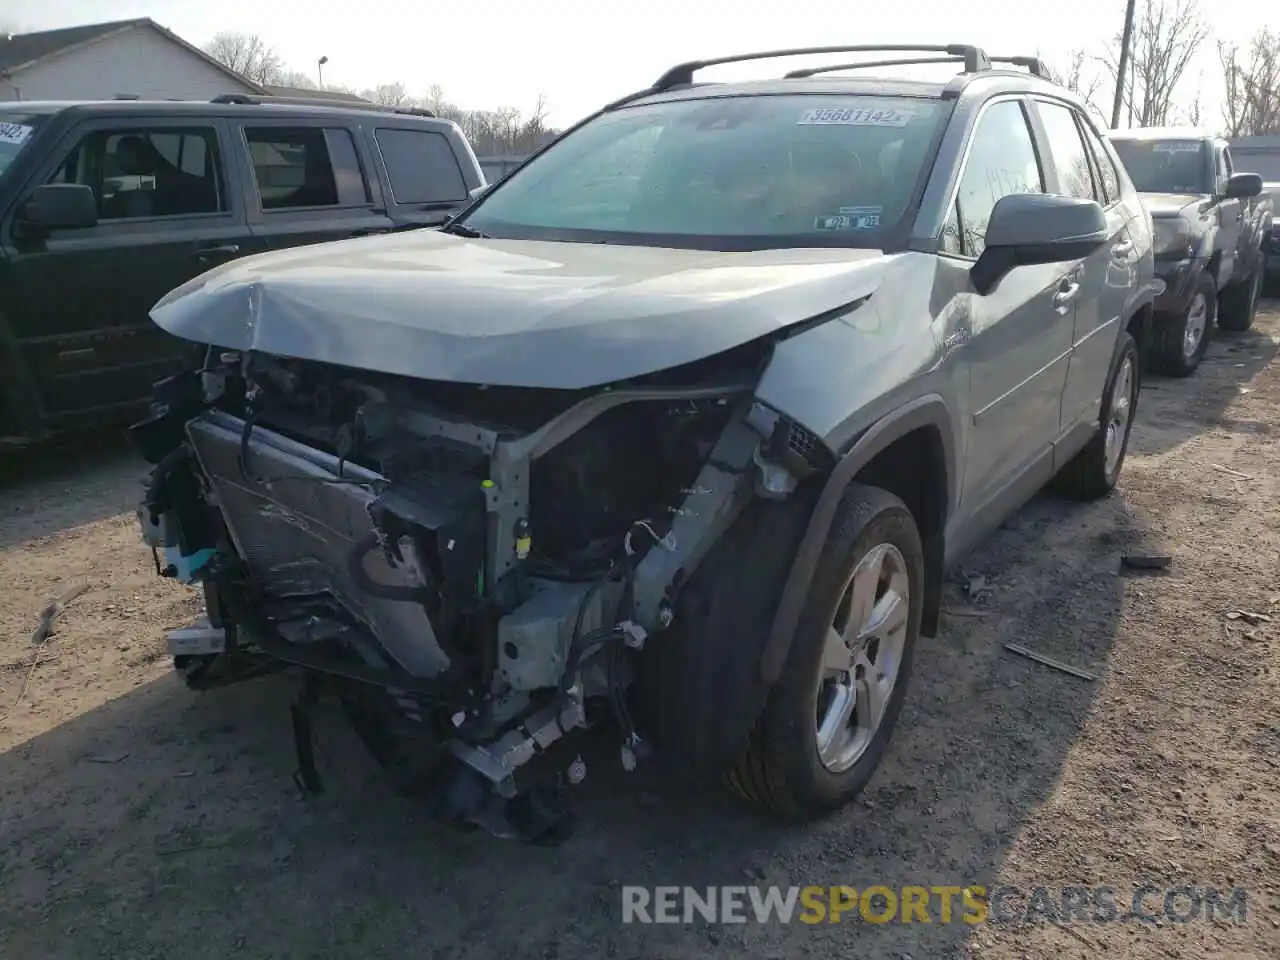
[(133, 59)]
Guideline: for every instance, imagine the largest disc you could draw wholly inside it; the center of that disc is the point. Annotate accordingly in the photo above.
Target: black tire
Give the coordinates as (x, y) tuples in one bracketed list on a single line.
[(1088, 476), (782, 771), (1173, 360), (1238, 304)]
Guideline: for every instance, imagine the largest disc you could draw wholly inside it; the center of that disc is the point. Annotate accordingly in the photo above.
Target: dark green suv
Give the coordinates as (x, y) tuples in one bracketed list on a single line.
[(105, 207)]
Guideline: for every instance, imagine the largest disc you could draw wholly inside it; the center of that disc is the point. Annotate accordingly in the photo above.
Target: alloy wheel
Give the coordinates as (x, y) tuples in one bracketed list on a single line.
[(862, 656), (1121, 411), (1197, 320)]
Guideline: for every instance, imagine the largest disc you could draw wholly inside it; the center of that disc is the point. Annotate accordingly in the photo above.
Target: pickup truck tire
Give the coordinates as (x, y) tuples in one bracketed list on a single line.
[(1095, 470), (1184, 339), (1238, 304), (827, 721)]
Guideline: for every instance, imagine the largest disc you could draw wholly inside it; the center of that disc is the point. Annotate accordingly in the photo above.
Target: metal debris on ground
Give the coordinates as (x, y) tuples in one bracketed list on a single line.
[(1235, 473), (48, 617), (1049, 661), (963, 612), (50, 614), (1131, 561), (1249, 617), (976, 585)]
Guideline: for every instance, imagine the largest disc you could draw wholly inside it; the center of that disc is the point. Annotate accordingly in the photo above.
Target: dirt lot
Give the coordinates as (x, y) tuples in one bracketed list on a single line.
[(140, 820)]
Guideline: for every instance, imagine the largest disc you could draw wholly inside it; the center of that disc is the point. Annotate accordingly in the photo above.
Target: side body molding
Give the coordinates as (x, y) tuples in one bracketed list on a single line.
[(926, 411)]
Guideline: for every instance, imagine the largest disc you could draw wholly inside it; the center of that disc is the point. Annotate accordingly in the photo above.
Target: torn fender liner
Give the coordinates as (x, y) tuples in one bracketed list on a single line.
[(510, 313)]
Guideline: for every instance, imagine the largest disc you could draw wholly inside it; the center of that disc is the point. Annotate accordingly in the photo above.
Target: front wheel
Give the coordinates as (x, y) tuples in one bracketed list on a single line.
[(828, 720), (1185, 339)]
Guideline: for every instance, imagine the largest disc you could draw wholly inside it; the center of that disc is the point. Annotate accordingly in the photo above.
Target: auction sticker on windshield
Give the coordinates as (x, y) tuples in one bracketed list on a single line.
[(857, 116), (14, 132), (1177, 146)]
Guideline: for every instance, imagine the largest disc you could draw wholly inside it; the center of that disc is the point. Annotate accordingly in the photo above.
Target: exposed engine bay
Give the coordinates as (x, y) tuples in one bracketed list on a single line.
[(474, 570)]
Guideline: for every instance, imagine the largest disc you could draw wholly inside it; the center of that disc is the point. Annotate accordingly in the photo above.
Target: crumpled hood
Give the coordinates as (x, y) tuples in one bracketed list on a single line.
[(1172, 204), (435, 306)]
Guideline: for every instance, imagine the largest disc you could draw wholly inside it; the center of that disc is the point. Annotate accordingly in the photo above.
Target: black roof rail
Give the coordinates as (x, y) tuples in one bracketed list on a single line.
[(1033, 64), (838, 67), (256, 100), (975, 59)]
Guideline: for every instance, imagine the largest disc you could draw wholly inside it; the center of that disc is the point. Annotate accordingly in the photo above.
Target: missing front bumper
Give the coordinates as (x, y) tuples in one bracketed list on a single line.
[(296, 516)]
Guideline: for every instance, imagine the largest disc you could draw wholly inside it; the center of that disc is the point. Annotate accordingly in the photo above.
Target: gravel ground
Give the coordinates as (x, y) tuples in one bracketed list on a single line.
[(138, 819)]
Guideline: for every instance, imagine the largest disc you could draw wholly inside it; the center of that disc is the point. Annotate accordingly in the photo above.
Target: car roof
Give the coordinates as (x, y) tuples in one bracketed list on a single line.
[(984, 83), (1162, 133), (202, 108)]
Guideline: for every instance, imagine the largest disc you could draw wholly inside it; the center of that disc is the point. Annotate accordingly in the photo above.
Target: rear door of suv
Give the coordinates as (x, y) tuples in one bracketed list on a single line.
[(167, 212), (308, 180), (1108, 277)]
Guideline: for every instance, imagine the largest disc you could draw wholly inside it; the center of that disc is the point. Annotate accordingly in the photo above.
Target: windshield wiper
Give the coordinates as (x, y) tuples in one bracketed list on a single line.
[(462, 230)]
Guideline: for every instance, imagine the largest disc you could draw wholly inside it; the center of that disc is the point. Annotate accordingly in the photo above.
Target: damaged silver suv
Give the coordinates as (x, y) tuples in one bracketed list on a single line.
[(671, 433)]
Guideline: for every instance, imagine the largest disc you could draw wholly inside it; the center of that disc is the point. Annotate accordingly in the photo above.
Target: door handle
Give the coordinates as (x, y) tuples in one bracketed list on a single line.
[(226, 250), (1122, 250), (370, 231), (1067, 292)]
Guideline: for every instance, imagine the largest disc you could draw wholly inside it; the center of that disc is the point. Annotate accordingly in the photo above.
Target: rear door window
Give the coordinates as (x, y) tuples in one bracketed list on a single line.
[(1103, 164), (305, 167), (421, 166)]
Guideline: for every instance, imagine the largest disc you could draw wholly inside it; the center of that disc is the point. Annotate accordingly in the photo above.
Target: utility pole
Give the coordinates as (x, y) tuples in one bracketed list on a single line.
[(1122, 68)]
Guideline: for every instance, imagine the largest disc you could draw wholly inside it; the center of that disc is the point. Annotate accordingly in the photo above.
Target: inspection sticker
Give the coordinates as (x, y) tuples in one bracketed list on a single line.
[(857, 116), (850, 218), (1177, 146), (14, 132)]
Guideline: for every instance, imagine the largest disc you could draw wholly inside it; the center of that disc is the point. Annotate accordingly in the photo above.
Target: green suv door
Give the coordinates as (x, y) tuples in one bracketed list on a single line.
[(78, 301)]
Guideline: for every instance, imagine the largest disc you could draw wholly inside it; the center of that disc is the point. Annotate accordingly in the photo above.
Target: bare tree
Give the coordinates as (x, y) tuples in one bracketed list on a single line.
[(389, 95), (1167, 35), (1251, 78), (248, 55), (1079, 74), (1194, 113), (295, 78), (494, 132)]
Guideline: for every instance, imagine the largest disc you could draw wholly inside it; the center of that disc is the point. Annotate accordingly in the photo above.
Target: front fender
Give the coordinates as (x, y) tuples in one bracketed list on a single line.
[(927, 411)]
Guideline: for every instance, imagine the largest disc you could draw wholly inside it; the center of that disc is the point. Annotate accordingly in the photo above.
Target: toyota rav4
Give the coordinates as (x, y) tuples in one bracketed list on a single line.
[(674, 431)]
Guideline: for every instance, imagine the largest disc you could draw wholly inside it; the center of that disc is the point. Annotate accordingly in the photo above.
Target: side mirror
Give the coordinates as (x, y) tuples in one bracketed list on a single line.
[(1243, 185), (61, 206), (1031, 228), (479, 191)]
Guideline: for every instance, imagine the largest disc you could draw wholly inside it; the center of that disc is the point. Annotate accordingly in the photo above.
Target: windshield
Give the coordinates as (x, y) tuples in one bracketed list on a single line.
[(725, 173), (15, 132), (1164, 166)]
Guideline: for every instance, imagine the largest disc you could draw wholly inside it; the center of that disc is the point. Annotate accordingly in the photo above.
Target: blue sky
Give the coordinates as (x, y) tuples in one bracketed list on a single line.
[(487, 53)]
